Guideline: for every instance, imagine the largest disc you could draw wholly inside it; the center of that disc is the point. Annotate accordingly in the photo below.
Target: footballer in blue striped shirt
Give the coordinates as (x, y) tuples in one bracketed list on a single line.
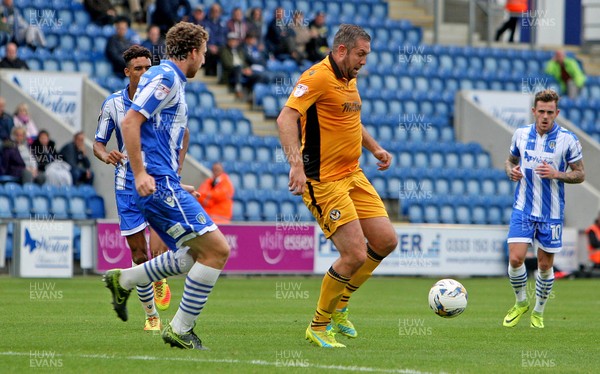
[(543, 157), (153, 130)]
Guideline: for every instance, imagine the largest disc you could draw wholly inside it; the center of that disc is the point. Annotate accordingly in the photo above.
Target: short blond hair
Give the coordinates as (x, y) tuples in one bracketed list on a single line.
[(546, 96), (183, 38)]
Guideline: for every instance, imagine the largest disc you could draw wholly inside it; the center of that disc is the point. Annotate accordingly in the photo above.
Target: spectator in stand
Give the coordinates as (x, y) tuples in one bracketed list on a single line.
[(515, 9), (102, 12), (11, 60), (216, 195), (44, 150), (255, 54), (237, 24), (234, 65), (198, 16), (155, 44), (317, 47), (136, 12), (6, 122), (593, 234), (299, 35), (567, 73), (217, 32), (255, 23), (166, 13), (22, 31), (74, 154), (276, 40), (17, 160), (22, 119), (117, 44)]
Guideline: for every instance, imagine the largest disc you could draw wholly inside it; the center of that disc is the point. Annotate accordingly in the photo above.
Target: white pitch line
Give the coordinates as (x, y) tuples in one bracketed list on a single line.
[(229, 361)]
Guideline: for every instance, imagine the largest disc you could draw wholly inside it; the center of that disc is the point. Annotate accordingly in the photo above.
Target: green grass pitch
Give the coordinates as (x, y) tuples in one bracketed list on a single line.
[(257, 324)]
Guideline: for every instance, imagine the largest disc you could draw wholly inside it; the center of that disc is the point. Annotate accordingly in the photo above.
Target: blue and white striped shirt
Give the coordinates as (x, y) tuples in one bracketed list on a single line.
[(113, 111), (543, 199), (160, 97)]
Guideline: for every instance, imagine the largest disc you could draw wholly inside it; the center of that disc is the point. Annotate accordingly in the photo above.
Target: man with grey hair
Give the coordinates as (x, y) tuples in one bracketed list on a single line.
[(326, 172)]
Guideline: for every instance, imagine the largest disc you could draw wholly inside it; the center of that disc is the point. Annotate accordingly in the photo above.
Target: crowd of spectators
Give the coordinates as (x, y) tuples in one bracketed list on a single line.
[(30, 155), (240, 45)]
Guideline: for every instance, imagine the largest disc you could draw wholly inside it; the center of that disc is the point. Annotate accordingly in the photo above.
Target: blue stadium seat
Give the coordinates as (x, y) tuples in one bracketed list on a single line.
[(447, 134), (406, 83), (69, 66), (21, 206), (506, 213), (253, 211), (194, 124), (458, 187), (77, 208), (243, 127), (230, 152), (385, 133), (100, 43), (86, 67), (447, 213), (415, 213), (379, 183), (436, 158), (473, 187), (52, 40), (212, 153), (281, 181), (6, 206), (195, 150), (82, 18), (488, 186), (270, 210), (31, 189), (431, 213), (246, 153), (467, 160), (270, 106), (52, 65), (67, 42), (238, 210), (210, 125), (226, 126), (12, 189), (504, 187), (394, 187), (405, 158), (191, 99), (40, 206), (95, 207), (264, 154), (442, 186), (102, 68), (250, 180), (287, 208), (420, 157), (462, 214)]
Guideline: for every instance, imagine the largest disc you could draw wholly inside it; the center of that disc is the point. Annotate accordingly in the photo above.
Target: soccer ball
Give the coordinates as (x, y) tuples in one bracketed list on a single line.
[(448, 298)]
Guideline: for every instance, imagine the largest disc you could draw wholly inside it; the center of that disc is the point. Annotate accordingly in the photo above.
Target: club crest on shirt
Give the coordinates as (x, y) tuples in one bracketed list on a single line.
[(300, 90), (170, 201), (335, 215), (552, 144), (161, 92), (200, 218)]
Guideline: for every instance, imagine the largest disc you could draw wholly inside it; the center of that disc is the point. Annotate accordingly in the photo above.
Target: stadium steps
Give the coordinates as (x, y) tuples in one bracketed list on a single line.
[(226, 100), (408, 9)]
